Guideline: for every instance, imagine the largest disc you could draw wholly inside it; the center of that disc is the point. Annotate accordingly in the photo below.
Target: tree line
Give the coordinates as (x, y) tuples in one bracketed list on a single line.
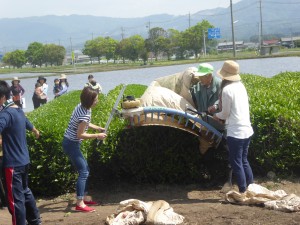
[(160, 42), (37, 54)]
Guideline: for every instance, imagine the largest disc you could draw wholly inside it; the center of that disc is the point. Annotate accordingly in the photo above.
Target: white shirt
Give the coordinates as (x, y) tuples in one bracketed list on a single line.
[(45, 88), (235, 110)]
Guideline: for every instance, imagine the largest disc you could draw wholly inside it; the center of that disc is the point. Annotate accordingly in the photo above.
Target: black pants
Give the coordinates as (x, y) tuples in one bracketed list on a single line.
[(37, 102)]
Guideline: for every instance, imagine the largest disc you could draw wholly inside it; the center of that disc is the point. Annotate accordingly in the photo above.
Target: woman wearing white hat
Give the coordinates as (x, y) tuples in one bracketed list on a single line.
[(234, 106), (17, 91), (63, 85)]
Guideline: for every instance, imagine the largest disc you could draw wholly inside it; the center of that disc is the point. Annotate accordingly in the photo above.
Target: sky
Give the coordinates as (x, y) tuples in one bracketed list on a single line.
[(109, 8)]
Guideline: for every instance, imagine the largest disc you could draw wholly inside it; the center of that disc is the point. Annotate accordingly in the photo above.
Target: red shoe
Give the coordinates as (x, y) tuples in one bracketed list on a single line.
[(90, 202), (84, 209)]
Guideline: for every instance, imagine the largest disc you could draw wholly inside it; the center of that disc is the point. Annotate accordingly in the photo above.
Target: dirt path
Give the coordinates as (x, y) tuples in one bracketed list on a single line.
[(197, 205)]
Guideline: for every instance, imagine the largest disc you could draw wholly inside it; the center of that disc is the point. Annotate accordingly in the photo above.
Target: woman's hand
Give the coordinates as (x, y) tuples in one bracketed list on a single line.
[(101, 136), (212, 109), (101, 129)]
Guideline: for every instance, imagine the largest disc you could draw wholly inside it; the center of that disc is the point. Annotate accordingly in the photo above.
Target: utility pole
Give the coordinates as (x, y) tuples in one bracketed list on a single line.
[(149, 28), (71, 49), (232, 29), (261, 27), (72, 54), (189, 20), (204, 44), (259, 36), (122, 33)]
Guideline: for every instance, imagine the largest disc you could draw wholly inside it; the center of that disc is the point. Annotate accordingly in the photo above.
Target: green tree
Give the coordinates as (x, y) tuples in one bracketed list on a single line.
[(99, 50), (17, 58), (157, 41), (90, 49), (131, 48), (7, 59), (176, 43), (109, 48), (35, 54), (54, 54), (193, 37), (163, 46)]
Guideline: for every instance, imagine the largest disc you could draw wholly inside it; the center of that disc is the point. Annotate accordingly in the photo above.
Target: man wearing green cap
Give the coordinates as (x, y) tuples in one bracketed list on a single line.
[(205, 93)]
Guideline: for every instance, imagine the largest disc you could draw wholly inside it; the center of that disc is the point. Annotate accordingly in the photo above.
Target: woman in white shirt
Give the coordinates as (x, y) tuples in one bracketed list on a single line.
[(235, 111)]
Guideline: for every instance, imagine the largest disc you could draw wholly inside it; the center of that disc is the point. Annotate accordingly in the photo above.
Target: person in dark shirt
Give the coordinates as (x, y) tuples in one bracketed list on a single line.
[(56, 87), (17, 91), (13, 126)]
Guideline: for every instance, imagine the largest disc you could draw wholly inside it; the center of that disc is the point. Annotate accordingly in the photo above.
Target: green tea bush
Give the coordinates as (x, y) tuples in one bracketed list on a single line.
[(275, 104)]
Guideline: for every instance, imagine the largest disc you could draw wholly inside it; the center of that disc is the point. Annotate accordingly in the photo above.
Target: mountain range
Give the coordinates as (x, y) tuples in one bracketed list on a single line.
[(278, 17)]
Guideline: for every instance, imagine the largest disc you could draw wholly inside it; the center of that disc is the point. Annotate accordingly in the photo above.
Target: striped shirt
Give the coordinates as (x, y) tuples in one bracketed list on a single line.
[(80, 114)]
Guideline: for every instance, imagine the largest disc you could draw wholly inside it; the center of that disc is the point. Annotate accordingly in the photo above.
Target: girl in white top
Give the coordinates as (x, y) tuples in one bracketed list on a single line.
[(235, 111), (44, 86)]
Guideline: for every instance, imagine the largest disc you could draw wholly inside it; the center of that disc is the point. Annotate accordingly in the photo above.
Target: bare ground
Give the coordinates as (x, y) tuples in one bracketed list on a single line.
[(198, 205)]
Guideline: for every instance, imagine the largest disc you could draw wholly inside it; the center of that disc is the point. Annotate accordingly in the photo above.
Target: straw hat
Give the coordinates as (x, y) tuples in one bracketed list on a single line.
[(63, 76), (230, 71), (204, 69), (16, 79)]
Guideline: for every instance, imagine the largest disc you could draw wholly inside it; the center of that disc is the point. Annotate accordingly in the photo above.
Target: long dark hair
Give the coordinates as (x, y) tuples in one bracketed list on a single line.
[(66, 82)]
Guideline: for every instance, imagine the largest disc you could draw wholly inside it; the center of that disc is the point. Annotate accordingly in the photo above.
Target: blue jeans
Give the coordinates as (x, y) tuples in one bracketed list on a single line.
[(238, 152), (72, 149)]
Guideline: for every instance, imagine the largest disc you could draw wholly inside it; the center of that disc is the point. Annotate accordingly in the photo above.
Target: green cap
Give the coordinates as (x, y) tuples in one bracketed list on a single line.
[(203, 69)]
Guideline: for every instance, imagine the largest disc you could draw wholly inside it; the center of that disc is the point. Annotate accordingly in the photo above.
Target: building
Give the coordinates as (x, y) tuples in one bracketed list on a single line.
[(228, 46), (289, 42)]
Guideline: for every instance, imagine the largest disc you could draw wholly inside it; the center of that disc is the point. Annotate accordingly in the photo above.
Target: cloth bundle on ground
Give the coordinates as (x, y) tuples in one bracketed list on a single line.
[(257, 194), (134, 212), (170, 91)]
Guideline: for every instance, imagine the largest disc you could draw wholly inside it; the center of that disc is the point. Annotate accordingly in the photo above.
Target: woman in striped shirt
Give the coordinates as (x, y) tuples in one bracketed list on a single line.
[(74, 134)]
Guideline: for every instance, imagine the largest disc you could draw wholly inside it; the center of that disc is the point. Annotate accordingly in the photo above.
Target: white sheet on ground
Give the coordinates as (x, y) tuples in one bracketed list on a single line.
[(134, 212), (257, 194)]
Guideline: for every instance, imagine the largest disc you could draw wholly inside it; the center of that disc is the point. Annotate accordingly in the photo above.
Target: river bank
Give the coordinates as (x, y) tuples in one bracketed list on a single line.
[(105, 67)]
